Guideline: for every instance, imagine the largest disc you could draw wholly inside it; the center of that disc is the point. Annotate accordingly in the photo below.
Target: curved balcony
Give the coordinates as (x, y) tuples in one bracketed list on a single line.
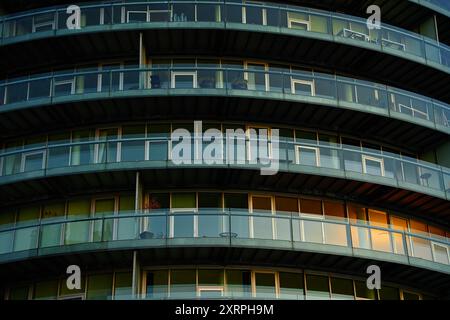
[(237, 151), (280, 84), (229, 227), (263, 17)]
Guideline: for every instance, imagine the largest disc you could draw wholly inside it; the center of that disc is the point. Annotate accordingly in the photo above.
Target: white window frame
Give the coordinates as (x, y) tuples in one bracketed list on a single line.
[(43, 24), (146, 12), (297, 153), (263, 11), (201, 289), (174, 74), (311, 83), (433, 243), (413, 110), (100, 75), (374, 159), (291, 20), (272, 209), (92, 215), (276, 278), (349, 33), (64, 82), (32, 153), (266, 74), (97, 145)]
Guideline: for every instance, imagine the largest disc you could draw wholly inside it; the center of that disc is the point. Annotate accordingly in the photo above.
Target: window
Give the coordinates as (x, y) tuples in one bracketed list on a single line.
[(51, 234), (43, 22), (127, 227), (364, 293), (317, 287), (107, 151), (26, 238), (158, 147), (389, 293), (83, 153), (262, 226), (401, 225), (421, 248), (65, 292), (99, 287), (238, 283), (210, 283), (58, 156), (335, 234), (265, 285), (360, 234), (381, 239), (47, 290), (133, 150), (7, 219), (308, 156), (77, 232), (237, 203), (19, 293), (184, 80), (34, 160), (298, 21), (440, 253), (303, 87), (123, 285), (210, 220), (183, 221), (156, 224), (285, 207), (103, 228), (291, 286), (157, 284), (410, 296), (254, 14), (342, 289), (256, 76), (373, 165), (182, 283)]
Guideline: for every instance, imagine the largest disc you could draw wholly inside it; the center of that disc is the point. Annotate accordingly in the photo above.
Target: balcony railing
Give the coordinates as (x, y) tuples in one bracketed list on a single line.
[(230, 225), (344, 161), (317, 88), (285, 18)]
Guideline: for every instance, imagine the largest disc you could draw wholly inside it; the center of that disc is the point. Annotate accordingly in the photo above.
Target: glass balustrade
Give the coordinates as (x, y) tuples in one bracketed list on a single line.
[(227, 225), (369, 163), (294, 19), (301, 85)]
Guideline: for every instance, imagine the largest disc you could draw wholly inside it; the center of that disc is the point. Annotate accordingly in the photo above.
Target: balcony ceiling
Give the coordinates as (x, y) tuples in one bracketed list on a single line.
[(366, 126)]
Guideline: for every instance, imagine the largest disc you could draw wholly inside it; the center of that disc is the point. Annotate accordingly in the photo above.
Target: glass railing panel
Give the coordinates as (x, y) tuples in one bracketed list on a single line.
[(445, 56), (420, 248), (87, 82), (401, 41), (17, 92), (432, 51), (325, 86), (236, 80), (446, 178), (440, 252), (76, 232), (131, 80), (398, 242), (335, 233), (353, 161), (410, 105), (442, 114), (94, 16), (361, 237), (127, 228), (212, 224), (297, 227), (102, 228), (155, 226), (330, 157), (313, 231), (207, 12), (283, 226), (263, 224), (430, 177), (183, 12), (381, 240), (240, 224), (25, 238), (64, 85), (11, 164), (6, 238), (40, 88), (182, 224), (50, 234), (353, 30)]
